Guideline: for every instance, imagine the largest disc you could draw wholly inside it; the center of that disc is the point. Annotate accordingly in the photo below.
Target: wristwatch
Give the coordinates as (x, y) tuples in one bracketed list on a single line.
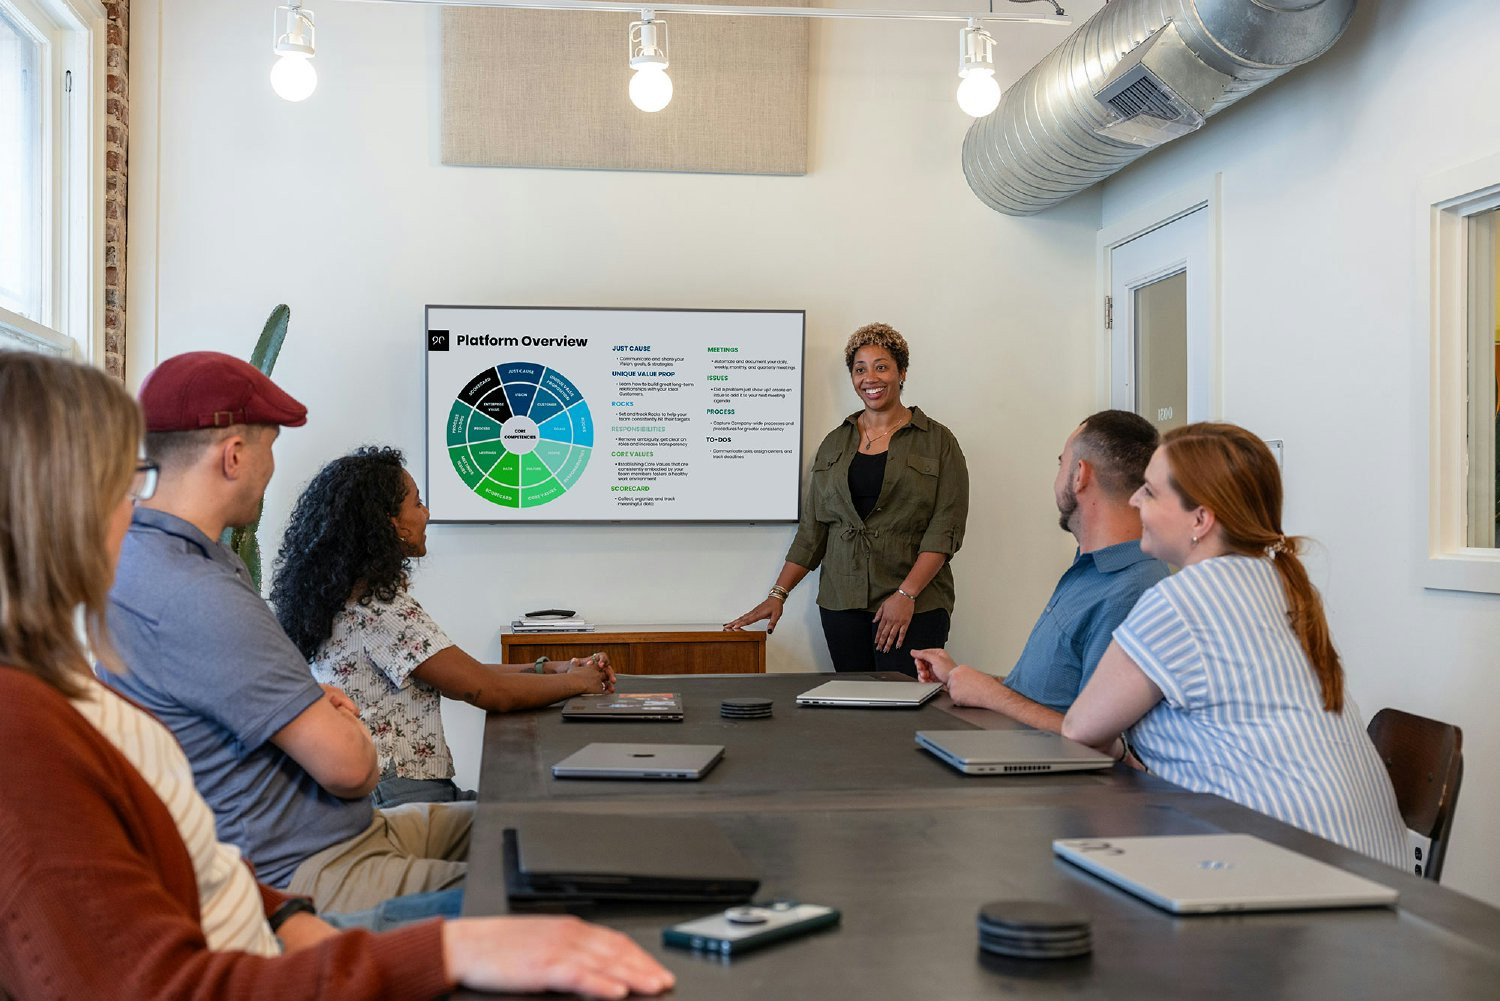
[(295, 905)]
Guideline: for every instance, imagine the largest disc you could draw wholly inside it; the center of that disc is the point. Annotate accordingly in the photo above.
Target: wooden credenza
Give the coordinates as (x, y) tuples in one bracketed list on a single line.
[(648, 649)]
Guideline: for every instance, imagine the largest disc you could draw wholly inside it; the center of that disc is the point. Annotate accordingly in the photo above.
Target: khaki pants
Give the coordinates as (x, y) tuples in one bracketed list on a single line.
[(413, 848)]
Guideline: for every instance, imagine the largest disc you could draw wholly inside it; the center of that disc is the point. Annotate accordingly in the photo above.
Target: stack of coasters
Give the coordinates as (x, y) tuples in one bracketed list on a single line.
[(1034, 929), (745, 708)]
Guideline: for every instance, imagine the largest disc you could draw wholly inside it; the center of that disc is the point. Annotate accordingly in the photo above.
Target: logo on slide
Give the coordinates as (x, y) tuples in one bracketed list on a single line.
[(520, 435)]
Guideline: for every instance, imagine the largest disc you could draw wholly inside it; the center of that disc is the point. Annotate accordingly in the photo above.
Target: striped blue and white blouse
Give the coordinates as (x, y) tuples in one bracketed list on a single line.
[(1242, 714)]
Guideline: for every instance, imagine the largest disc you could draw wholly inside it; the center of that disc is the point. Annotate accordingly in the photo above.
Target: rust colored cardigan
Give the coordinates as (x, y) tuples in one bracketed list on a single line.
[(98, 897)]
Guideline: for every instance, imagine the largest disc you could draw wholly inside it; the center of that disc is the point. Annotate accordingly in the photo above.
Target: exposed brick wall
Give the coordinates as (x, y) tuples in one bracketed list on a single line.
[(116, 163)]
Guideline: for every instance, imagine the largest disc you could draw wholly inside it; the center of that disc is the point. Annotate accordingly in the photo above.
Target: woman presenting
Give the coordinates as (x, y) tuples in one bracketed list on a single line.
[(885, 511)]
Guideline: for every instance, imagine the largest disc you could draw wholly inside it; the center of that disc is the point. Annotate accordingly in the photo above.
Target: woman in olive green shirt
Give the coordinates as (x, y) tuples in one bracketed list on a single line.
[(885, 511)]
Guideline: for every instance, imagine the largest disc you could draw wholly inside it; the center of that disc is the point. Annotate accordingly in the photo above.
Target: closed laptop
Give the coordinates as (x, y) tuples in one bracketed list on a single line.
[(1010, 752), (871, 694), (639, 761), (580, 858), (1210, 873), (656, 707)]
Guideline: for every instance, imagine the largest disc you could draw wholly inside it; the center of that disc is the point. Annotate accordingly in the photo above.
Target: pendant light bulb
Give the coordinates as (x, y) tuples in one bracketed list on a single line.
[(978, 94), (650, 87), (978, 90), (293, 77)]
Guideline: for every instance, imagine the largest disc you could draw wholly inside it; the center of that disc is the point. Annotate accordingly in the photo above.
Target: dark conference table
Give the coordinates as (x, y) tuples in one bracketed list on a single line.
[(838, 807)]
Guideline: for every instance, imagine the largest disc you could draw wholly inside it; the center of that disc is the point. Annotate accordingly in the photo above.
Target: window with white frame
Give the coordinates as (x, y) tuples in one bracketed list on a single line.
[(1483, 514), (51, 170), (1462, 210)]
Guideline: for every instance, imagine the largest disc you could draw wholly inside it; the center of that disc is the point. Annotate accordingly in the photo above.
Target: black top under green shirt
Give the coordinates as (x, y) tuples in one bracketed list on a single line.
[(922, 506), (866, 474)]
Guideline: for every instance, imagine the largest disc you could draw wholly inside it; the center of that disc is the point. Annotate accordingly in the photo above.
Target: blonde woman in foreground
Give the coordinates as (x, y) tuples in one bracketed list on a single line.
[(104, 837)]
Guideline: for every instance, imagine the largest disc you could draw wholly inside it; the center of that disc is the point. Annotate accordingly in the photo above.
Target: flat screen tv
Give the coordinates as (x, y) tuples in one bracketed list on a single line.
[(541, 414)]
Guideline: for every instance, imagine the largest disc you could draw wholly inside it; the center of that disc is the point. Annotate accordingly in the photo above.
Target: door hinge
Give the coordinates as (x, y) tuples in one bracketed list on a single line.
[(1109, 312), (68, 82)]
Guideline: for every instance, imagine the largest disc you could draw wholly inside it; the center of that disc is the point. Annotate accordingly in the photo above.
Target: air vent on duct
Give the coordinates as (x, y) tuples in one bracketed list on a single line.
[(1135, 75), (1159, 91)]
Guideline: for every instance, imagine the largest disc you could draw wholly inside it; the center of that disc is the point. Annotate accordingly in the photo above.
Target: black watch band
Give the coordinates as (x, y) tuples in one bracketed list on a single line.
[(295, 905)]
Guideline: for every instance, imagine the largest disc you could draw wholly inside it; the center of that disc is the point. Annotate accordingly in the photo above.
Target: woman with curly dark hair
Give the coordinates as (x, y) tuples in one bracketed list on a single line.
[(340, 591)]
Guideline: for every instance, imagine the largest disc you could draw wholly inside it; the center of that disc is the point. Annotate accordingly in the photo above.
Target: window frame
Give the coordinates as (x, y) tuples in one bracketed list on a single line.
[(1446, 201), (72, 140)]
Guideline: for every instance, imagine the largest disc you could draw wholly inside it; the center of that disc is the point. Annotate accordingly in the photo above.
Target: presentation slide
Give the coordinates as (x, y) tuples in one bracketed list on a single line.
[(537, 414)]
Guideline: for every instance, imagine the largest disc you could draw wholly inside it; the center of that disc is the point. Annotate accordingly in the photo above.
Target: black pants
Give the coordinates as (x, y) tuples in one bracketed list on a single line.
[(851, 640)]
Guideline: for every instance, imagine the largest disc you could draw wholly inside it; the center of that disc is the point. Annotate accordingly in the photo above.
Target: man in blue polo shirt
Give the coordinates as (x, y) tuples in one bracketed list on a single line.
[(285, 763), (1101, 466)]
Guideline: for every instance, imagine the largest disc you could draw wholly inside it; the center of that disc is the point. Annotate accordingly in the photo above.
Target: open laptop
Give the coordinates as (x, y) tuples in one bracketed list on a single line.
[(657, 707), (1010, 752), (1210, 873), (579, 858), (870, 694), (639, 761)]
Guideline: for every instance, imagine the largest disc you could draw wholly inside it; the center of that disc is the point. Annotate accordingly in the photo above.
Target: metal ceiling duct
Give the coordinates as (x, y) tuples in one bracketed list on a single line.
[(1135, 75)]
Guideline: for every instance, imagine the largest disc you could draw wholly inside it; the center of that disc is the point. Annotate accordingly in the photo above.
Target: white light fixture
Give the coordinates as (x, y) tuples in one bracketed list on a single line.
[(650, 87), (978, 92), (293, 77)]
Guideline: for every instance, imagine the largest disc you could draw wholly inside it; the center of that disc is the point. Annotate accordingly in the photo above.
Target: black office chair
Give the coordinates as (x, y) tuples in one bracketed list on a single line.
[(1426, 762)]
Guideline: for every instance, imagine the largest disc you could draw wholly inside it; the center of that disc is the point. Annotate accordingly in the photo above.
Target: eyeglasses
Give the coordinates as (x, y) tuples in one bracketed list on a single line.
[(143, 483)]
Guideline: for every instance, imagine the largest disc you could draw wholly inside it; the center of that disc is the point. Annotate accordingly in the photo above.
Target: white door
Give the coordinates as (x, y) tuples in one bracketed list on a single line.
[(1163, 362)]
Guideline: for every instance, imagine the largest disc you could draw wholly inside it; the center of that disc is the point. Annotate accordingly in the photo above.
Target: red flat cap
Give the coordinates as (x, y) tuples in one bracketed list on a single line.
[(207, 389)]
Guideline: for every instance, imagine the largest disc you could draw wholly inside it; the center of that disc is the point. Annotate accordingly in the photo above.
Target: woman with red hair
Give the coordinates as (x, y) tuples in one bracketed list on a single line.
[(1224, 674)]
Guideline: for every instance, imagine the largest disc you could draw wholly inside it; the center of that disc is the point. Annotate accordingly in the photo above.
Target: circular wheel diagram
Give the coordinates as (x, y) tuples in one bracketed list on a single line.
[(520, 435)]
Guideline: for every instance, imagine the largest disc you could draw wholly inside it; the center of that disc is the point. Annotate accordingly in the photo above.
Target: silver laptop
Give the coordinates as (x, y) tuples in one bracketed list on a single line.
[(639, 761), (1209, 873), (871, 694), (1010, 752)]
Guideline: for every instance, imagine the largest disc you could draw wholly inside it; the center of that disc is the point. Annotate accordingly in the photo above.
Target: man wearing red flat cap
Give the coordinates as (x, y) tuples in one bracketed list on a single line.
[(286, 764)]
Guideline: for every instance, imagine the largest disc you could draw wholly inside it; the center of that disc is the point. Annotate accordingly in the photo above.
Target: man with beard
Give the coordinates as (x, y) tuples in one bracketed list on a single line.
[(1102, 464)]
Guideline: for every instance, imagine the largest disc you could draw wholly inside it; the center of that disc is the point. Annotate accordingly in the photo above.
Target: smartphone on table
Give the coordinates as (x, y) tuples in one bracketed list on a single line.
[(740, 929)]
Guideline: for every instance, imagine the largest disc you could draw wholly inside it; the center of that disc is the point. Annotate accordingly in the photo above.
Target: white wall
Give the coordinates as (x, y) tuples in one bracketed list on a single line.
[(340, 208), (1325, 345)]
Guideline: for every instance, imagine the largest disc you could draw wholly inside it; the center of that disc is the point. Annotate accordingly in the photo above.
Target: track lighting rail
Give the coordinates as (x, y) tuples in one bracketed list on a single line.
[(610, 6)]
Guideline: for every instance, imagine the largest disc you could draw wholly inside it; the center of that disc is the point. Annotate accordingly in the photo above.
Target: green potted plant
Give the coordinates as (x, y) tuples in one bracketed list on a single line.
[(243, 540)]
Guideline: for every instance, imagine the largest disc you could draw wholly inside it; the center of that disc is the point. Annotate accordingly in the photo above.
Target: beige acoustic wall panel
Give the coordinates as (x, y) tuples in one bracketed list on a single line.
[(525, 88)]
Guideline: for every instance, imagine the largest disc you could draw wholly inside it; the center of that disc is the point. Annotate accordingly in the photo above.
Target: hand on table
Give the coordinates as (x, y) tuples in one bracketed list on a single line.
[(595, 669), (770, 609), (891, 620), (549, 954)]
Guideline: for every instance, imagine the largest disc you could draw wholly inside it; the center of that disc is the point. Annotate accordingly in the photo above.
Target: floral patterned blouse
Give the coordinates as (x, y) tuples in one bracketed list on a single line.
[(371, 654)]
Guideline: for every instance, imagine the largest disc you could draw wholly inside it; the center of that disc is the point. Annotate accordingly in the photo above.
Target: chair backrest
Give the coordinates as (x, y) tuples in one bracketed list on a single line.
[(1426, 762)]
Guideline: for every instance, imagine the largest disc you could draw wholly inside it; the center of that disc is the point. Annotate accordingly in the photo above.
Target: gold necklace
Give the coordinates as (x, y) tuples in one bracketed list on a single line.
[(872, 439)]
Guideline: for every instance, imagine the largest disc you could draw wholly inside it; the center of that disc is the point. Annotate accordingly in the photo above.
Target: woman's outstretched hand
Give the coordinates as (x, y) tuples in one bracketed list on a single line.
[(770, 610)]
